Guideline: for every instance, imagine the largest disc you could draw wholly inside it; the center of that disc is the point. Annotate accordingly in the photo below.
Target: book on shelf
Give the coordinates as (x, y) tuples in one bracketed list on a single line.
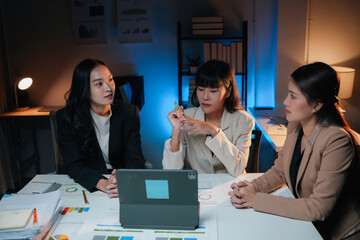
[(206, 19), (207, 31), (207, 53), (239, 59), (228, 54), (220, 51), (224, 53), (233, 55), (207, 26), (213, 48)]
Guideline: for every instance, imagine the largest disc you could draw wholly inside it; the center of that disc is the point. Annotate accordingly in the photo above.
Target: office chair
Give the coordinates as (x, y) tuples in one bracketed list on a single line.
[(253, 161), (59, 162), (130, 89)]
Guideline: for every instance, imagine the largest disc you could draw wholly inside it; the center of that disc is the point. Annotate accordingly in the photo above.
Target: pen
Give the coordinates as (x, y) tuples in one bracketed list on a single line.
[(85, 199), (35, 222), (179, 110)]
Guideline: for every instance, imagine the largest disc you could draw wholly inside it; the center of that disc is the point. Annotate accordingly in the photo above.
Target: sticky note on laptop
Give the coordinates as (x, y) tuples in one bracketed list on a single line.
[(157, 189)]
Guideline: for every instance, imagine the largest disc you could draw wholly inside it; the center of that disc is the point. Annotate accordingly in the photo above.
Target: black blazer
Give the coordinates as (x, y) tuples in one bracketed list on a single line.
[(124, 146)]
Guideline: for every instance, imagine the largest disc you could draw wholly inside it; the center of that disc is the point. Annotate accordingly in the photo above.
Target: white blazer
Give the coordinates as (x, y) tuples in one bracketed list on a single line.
[(227, 152)]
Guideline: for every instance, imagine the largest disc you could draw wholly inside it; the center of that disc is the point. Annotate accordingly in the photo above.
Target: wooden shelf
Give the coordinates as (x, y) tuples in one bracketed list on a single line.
[(212, 38)]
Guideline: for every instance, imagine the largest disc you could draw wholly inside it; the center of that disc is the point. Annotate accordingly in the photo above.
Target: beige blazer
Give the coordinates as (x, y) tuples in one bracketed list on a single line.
[(327, 184), (227, 152)]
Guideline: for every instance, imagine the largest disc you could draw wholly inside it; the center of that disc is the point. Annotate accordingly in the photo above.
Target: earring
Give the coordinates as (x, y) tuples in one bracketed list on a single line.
[(314, 111)]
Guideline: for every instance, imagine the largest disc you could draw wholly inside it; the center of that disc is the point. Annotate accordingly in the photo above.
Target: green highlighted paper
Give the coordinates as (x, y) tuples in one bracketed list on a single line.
[(112, 238)]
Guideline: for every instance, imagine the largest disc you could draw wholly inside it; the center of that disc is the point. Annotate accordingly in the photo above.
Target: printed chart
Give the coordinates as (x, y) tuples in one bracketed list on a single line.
[(211, 192), (118, 233), (68, 210)]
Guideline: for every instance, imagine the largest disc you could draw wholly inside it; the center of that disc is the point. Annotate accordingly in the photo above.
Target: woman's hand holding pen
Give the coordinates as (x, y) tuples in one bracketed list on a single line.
[(243, 194), (199, 127), (111, 189), (176, 117)]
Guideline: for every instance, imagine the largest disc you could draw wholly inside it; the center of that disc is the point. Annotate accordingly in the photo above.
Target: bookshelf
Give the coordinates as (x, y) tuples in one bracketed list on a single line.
[(200, 40)]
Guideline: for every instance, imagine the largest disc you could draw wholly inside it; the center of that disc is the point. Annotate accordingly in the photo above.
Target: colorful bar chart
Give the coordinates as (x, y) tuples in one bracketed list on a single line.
[(68, 210)]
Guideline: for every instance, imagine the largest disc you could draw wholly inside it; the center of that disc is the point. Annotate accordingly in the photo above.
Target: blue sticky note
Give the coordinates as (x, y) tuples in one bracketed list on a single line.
[(157, 189)]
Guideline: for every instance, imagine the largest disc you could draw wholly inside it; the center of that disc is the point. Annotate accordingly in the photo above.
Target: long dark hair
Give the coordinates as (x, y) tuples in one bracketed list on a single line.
[(213, 74), (320, 84), (77, 109)]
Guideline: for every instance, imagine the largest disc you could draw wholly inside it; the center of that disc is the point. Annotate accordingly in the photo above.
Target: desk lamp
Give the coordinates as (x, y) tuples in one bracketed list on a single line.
[(20, 85), (347, 76)]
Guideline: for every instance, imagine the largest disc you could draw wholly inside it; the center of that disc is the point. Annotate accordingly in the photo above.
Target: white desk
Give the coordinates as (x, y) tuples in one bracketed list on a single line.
[(230, 223), (264, 123)]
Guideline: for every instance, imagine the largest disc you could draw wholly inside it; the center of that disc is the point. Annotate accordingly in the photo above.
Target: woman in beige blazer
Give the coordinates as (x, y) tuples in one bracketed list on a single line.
[(215, 136), (319, 161)]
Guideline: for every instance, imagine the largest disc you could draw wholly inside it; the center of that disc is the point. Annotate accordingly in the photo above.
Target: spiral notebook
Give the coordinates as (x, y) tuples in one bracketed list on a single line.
[(15, 218)]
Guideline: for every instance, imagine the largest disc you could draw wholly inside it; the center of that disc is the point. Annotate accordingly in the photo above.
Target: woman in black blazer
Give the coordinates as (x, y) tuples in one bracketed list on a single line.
[(96, 135)]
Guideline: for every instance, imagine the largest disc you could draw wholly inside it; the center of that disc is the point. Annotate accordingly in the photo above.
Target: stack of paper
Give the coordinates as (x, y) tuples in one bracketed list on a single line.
[(15, 218), (47, 206)]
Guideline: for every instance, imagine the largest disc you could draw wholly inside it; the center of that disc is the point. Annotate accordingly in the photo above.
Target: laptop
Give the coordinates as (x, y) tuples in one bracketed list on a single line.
[(158, 199)]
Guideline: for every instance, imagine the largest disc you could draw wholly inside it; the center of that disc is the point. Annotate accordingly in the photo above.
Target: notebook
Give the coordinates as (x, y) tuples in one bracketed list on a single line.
[(15, 218), (158, 199)]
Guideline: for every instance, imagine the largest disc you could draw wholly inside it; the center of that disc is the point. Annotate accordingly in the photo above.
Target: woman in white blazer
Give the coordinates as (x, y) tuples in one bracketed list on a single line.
[(215, 136)]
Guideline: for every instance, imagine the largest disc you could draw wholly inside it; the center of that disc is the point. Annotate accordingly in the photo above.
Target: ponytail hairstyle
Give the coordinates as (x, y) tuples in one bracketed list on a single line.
[(320, 84)]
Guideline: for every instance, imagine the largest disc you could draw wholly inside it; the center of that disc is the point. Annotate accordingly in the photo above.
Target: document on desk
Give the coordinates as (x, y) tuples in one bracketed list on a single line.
[(66, 185), (101, 221), (78, 218), (108, 226), (212, 191), (45, 204), (39, 187)]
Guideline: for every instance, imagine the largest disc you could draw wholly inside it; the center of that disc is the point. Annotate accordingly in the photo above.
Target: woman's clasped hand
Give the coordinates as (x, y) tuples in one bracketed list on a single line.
[(242, 194)]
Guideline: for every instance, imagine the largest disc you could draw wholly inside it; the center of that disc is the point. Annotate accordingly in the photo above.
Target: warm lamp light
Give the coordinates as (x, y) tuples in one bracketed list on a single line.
[(25, 83), (22, 84), (347, 76)]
